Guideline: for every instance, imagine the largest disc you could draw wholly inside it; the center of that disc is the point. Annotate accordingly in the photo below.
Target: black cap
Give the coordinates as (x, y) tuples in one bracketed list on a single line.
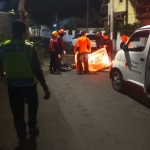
[(83, 32), (18, 26), (99, 32), (105, 34)]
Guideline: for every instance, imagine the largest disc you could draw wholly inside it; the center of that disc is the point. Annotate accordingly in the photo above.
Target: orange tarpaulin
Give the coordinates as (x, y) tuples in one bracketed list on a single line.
[(98, 60)]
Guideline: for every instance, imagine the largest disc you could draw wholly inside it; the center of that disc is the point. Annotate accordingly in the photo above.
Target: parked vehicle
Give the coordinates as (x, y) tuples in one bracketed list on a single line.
[(131, 65), (91, 36)]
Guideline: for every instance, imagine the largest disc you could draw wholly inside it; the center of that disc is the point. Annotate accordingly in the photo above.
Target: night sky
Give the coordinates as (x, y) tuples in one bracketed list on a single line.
[(45, 10), (63, 8), (77, 7)]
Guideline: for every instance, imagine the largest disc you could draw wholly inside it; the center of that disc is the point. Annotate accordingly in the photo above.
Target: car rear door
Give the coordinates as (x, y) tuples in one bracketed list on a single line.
[(74, 39), (92, 38)]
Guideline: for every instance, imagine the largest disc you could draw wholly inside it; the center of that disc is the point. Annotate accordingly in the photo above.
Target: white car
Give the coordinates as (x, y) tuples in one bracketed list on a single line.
[(131, 65), (91, 36)]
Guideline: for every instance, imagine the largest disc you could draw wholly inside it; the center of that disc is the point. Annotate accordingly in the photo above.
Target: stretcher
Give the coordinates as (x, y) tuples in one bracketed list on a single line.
[(98, 60)]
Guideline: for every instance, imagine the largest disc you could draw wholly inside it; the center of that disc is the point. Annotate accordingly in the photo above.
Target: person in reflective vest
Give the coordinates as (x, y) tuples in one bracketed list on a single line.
[(23, 71), (53, 53)]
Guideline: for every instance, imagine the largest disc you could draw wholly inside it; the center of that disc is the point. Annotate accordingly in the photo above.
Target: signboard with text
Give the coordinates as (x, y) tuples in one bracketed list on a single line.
[(98, 60)]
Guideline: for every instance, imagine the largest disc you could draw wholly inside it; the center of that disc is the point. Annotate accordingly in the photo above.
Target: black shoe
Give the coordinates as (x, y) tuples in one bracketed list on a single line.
[(22, 143), (52, 72), (34, 131), (86, 72), (57, 72), (80, 73)]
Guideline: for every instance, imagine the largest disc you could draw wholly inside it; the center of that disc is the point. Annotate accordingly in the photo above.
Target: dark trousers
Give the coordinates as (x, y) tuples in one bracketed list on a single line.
[(53, 61), (59, 63), (109, 56), (83, 57), (18, 96)]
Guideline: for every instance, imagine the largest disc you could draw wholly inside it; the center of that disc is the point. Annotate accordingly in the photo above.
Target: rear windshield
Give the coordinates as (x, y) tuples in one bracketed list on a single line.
[(77, 36), (92, 37)]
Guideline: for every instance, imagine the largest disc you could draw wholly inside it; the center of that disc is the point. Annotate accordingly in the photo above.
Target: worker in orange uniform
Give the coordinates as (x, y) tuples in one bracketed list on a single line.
[(124, 39), (84, 48)]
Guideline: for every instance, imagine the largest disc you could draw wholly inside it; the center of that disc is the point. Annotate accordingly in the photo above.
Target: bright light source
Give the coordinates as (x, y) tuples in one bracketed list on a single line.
[(54, 25), (105, 60)]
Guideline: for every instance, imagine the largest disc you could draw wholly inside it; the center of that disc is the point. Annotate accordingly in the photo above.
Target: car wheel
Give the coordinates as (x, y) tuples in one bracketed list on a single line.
[(117, 81)]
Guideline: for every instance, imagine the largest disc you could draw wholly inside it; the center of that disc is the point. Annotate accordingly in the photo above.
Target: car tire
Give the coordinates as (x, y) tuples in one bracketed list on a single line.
[(117, 81)]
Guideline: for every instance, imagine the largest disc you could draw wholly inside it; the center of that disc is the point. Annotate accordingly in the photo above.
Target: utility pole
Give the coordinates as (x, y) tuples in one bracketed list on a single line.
[(87, 14), (112, 20), (126, 11)]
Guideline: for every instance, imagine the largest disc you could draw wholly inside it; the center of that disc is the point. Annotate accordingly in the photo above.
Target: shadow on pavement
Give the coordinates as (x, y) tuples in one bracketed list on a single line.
[(91, 73), (29, 144), (138, 96)]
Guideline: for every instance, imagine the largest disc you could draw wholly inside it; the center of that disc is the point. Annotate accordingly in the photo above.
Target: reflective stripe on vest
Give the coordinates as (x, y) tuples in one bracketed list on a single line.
[(20, 82)]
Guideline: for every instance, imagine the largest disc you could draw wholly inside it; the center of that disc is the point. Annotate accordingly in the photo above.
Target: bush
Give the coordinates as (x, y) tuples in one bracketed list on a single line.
[(39, 44), (127, 28)]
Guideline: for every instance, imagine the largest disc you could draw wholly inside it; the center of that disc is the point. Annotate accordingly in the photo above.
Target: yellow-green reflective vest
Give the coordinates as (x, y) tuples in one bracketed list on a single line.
[(16, 57)]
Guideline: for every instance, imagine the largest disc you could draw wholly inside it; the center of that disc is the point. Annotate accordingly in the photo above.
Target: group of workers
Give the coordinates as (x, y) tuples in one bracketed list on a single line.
[(84, 45)]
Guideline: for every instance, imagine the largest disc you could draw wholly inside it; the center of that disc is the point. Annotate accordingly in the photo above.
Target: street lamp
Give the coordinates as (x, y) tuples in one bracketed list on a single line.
[(87, 14), (112, 20)]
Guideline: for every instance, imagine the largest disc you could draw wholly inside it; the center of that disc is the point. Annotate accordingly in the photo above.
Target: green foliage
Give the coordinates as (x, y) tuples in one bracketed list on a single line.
[(2, 36), (1, 39), (97, 30), (41, 50), (127, 28), (31, 22)]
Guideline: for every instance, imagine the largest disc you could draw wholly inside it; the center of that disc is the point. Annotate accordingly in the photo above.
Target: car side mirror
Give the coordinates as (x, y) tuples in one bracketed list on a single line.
[(122, 45)]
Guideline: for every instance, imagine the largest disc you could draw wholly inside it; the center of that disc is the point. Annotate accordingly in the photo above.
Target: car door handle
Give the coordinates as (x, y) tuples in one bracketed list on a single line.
[(142, 59)]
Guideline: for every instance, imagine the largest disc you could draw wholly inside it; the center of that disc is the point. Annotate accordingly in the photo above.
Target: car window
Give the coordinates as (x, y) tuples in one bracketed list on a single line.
[(77, 36), (138, 41), (92, 37)]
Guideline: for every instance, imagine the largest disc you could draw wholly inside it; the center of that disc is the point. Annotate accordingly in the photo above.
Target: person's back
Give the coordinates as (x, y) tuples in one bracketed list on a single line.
[(17, 62), (84, 44), (23, 70), (84, 48), (53, 44)]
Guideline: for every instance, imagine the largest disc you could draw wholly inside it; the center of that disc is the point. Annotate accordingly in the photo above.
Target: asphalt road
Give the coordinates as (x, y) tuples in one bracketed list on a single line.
[(83, 113)]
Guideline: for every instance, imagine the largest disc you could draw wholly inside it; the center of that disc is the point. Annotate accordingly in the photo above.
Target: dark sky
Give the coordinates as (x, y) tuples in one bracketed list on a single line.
[(77, 7), (45, 10)]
